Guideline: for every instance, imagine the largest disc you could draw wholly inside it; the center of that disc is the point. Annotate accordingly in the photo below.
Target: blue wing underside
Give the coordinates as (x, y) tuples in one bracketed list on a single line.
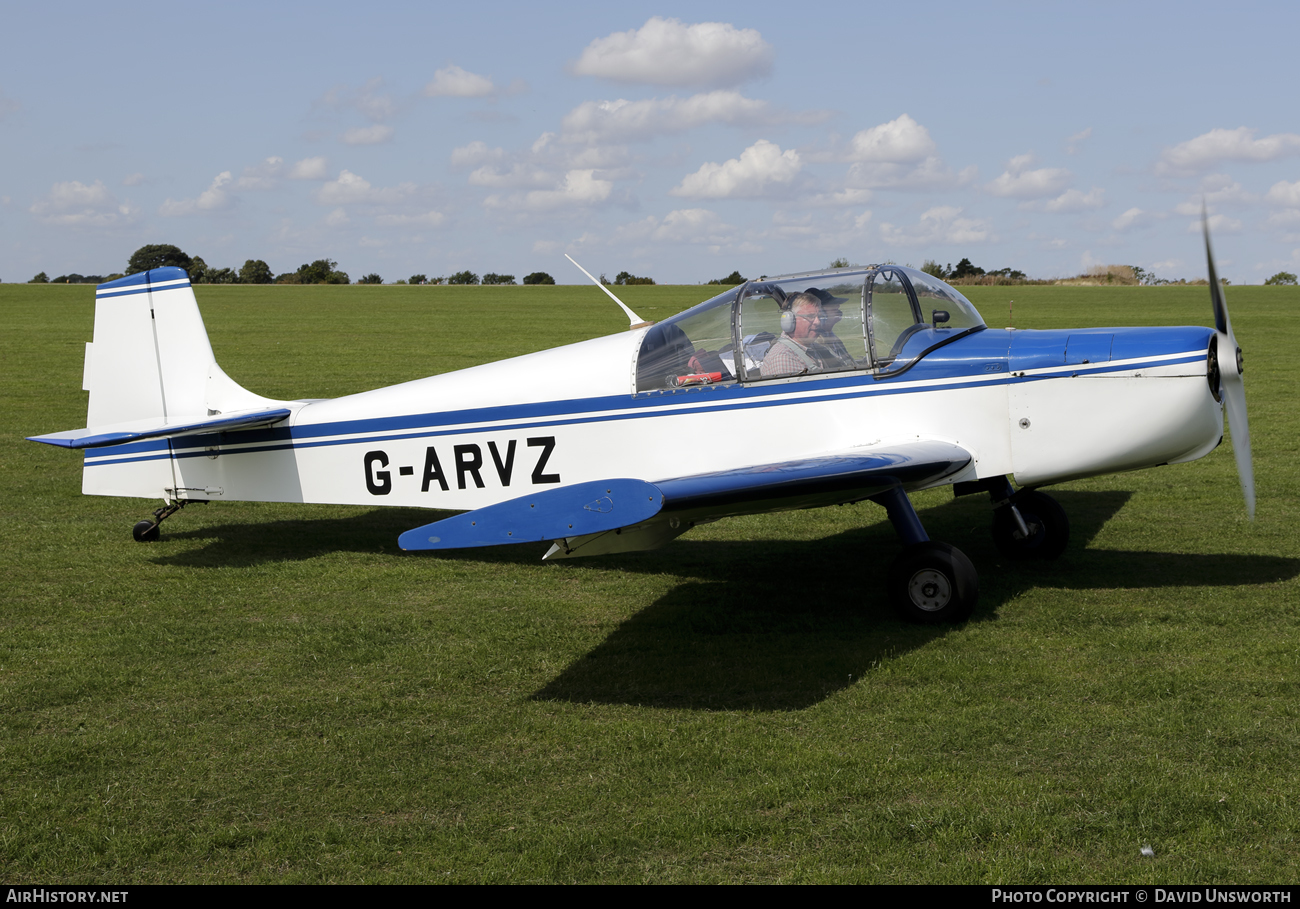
[(626, 514)]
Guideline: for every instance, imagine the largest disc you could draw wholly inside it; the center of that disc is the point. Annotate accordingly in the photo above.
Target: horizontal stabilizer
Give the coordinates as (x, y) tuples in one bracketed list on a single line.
[(121, 433), (550, 515)]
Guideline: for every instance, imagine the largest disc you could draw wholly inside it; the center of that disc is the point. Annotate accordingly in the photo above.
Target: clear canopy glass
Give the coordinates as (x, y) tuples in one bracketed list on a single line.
[(877, 318)]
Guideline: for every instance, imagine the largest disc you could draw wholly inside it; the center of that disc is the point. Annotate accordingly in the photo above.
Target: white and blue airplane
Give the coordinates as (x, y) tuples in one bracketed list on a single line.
[(789, 392)]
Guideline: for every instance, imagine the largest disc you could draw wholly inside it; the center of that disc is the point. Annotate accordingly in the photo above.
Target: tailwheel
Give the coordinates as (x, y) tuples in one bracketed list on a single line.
[(932, 583), (1042, 531), (147, 531)]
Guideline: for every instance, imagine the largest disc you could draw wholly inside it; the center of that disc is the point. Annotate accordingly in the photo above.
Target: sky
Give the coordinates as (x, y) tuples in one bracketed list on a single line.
[(676, 140)]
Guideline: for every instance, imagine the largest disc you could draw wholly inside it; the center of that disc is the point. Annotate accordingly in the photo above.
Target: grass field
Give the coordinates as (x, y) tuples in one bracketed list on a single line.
[(275, 693)]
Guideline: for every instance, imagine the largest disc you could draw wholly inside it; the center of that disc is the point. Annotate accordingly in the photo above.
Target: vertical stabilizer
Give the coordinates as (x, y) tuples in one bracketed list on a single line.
[(150, 358)]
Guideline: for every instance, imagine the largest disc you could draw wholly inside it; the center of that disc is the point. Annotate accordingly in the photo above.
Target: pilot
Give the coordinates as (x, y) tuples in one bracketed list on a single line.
[(791, 354), (827, 346)]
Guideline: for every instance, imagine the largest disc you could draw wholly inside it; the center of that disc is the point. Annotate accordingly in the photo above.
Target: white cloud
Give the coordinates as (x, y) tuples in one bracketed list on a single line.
[(1218, 145), (1075, 200), (930, 174), (337, 218), (623, 121), (1019, 182), (1131, 218), (74, 204), (580, 187), (265, 175), (453, 82), (349, 187), (367, 135), (352, 189), (1073, 143), (520, 174), (1284, 194), (900, 141), (759, 169), (1219, 224), (366, 101), (843, 198), (941, 224), (666, 52), (214, 198), (133, 179), (475, 153), (900, 155), (424, 219), (310, 169)]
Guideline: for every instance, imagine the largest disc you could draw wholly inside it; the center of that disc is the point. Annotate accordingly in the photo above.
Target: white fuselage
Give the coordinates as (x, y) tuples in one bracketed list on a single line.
[(483, 435)]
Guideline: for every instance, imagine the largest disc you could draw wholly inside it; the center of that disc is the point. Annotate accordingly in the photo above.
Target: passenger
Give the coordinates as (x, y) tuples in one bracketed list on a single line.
[(828, 347), (790, 354)]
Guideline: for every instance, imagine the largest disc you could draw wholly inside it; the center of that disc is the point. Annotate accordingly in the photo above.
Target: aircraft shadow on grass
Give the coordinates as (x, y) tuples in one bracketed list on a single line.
[(768, 624)]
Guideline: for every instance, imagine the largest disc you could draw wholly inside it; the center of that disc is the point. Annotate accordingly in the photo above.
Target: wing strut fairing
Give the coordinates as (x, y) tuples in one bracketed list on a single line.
[(581, 513)]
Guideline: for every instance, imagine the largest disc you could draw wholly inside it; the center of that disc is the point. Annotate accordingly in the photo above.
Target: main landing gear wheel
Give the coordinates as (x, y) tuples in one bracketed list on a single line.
[(1044, 518), (932, 583), (145, 532)]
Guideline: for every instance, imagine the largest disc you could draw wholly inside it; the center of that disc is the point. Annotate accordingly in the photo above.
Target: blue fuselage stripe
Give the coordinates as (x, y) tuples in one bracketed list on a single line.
[(568, 413)]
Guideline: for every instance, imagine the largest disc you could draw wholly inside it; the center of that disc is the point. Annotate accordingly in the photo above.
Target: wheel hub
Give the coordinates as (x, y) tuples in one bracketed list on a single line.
[(929, 590)]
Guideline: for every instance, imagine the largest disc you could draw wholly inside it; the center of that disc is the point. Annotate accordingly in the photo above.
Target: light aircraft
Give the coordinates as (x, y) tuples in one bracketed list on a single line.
[(682, 422)]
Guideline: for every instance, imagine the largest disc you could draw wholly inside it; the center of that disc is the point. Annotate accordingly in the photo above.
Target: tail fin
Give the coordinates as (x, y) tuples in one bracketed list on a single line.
[(150, 360), (150, 370)]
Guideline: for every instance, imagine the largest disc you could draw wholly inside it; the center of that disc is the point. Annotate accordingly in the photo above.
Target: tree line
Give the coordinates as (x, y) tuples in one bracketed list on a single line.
[(326, 271)]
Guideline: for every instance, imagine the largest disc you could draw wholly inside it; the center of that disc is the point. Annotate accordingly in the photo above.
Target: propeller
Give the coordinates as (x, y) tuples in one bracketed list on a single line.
[(1231, 387)]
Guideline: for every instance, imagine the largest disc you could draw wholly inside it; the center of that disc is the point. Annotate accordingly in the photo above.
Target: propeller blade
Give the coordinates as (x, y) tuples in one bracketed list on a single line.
[(1234, 400), (1217, 301), (1231, 386)]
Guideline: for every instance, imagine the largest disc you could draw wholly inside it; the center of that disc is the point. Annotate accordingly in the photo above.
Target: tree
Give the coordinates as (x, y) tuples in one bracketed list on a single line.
[(322, 271), (934, 269), (158, 255), (41, 278), (221, 276), (371, 278), (965, 269), (841, 262), (538, 277), (493, 278), (255, 271), (730, 280), (463, 277), (1282, 278), (198, 271), (624, 277), (417, 279)]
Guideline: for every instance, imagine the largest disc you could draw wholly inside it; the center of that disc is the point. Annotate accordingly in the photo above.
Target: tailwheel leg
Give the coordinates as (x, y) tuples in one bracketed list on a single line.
[(930, 582), (147, 531)]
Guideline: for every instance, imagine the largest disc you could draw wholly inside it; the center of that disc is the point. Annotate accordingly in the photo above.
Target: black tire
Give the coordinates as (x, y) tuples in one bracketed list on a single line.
[(145, 532), (1049, 528), (932, 583)]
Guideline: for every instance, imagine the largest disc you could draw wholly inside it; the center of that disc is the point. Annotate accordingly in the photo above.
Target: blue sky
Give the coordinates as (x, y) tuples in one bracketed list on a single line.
[(676, 140)]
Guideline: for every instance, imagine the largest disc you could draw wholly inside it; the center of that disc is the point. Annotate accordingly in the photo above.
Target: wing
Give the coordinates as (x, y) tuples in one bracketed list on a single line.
[(624, 515), (118, 434)]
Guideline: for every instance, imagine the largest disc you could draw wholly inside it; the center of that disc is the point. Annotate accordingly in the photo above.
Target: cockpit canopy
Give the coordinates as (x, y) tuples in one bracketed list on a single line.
[(879, 319)]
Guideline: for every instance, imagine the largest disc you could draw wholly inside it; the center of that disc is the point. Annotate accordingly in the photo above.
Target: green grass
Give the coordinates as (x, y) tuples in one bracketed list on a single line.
[(276, 693)]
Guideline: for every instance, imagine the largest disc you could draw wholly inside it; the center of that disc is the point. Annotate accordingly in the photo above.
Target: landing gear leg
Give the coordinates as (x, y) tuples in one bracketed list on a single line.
[(147, 531), (930, 582), (1028, 524)]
